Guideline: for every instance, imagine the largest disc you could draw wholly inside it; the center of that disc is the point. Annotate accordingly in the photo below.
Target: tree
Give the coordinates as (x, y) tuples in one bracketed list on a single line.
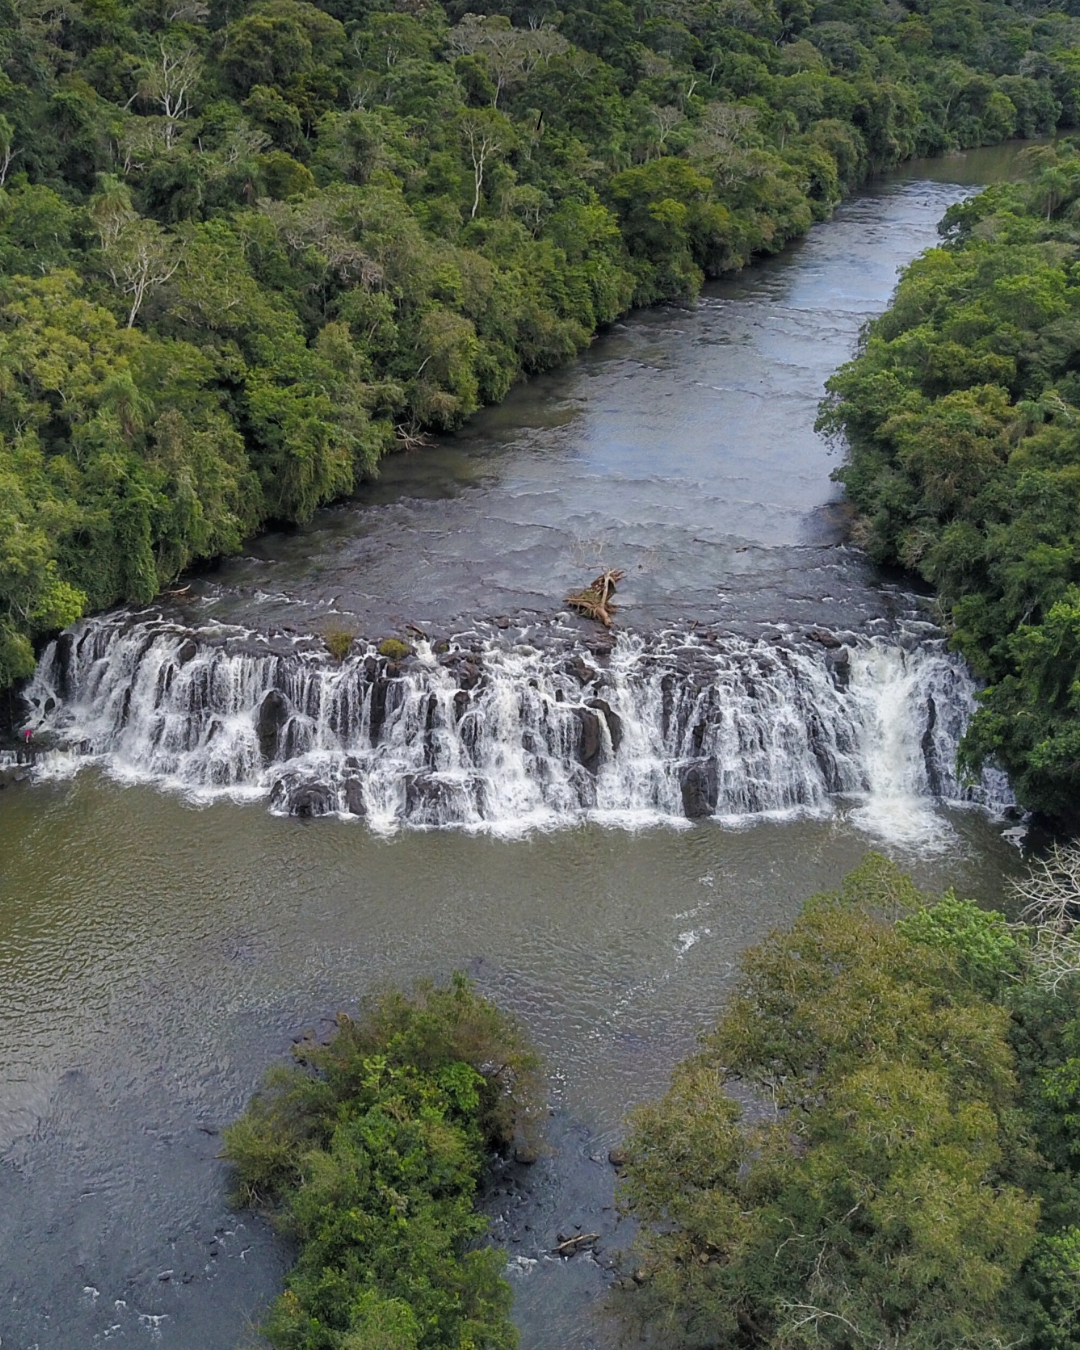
[(368, 1153), (140, 258), (486, 135), (169, 81), (8, 150), (34, 599), (511, 53), (869, 1201)]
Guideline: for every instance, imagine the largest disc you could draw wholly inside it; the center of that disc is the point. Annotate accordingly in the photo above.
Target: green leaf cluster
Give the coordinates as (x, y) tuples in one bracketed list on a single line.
[(962, 412), (368, 1154), (869, 1149)]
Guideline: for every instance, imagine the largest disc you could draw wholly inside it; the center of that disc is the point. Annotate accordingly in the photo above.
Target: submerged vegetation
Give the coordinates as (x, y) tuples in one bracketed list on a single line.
[(248, 247), (368, 1153), (909, 1172), (963, 416)]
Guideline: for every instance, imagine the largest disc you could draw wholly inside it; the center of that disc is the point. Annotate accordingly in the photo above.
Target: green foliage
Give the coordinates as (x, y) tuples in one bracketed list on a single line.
[(879, 1198), (265, 241), (1055, 1285), (394, 649), (962, 413), (338, 643), (368, 1153), (979, 939)]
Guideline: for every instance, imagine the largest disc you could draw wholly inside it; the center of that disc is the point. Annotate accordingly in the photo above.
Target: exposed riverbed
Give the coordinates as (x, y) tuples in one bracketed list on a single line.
[(163, 937)]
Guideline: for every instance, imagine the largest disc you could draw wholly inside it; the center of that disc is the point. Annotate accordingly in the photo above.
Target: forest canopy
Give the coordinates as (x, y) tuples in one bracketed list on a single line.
[(962, 413), (876, 1144), (249, 246)]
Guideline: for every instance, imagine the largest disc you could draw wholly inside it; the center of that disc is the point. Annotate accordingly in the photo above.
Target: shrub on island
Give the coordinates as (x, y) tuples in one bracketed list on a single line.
[(368, 1152)]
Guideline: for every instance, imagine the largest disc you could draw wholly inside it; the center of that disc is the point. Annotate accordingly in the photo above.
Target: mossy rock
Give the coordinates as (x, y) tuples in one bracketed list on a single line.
[(394, 649), (338, 643)]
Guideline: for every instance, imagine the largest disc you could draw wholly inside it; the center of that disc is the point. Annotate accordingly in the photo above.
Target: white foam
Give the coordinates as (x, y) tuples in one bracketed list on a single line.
[(743, 731)]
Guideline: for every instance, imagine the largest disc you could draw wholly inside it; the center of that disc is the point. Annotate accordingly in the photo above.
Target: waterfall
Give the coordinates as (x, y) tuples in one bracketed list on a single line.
[(511, 735)]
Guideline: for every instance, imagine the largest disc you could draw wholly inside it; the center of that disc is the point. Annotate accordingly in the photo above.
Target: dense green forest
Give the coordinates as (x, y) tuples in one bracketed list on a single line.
[(963, 417), (249, 246), (878, 1145), (367, 1152)]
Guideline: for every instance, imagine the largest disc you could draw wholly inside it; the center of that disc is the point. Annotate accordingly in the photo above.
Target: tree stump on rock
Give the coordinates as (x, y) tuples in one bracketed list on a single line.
[(595, 601)]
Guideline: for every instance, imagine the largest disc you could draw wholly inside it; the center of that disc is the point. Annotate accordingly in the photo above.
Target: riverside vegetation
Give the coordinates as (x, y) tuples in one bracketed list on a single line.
[(908, 1174), (367, 1152), (877, 1146), (962, 412), (248, 246)]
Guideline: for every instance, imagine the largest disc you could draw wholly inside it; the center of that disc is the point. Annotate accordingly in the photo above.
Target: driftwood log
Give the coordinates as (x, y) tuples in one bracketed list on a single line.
[(571, 1245), (595, 600)]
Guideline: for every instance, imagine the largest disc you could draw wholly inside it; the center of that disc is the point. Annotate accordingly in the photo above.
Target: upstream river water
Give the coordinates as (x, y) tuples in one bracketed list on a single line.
[(164, 936)]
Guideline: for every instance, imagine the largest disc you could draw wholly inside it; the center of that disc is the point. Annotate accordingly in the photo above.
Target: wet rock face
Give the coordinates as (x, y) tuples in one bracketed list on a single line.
[(590, 741), (296, 796), (274, 713), (354, 797), (838, 664), (614, 721), (699, 785), (431, 799)]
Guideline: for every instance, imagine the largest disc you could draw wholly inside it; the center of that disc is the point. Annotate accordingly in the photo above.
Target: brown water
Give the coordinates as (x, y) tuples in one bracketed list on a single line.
[(156, 957)]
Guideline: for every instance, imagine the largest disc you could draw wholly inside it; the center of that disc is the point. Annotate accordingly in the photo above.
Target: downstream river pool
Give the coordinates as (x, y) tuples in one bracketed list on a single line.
[(164, 936)]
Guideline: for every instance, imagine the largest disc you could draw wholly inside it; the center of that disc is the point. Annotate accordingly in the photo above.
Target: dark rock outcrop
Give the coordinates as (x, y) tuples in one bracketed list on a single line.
[(300, 798), (274, 713), (354, 797), (614, 721), (590, 741), (700, 788)]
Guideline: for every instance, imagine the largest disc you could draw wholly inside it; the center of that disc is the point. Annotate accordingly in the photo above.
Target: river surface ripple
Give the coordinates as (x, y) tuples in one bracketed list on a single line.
[(156, 957)]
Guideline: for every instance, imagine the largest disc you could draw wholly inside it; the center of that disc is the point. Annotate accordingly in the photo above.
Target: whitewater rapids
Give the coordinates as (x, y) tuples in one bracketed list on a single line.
[(507, 735)]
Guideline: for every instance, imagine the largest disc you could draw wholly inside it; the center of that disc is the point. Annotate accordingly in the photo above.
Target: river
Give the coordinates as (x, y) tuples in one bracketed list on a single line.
[(164, 936)]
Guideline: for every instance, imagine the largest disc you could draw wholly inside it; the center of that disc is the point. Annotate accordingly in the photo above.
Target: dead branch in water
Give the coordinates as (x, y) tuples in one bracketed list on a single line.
[(407, 437), (595, 601), (570, 1246)]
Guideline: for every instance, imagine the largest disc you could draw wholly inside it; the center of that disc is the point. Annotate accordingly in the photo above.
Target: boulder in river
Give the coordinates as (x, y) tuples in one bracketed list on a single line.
[(274, 713), (431, 799), (700, 788), (354, 797), (614, 721), (590, 741), (302, 798), (838, 664)]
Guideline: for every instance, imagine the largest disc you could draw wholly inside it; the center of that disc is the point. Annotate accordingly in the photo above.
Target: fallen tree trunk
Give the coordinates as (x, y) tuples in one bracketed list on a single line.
[(595, 601)]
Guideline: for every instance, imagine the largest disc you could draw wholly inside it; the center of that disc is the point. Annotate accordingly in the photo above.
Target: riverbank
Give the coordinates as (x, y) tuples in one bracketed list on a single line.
[(965, 469)]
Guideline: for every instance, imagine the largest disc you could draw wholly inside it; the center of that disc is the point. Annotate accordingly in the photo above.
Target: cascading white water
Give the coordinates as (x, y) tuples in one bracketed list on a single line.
[(511, 736)]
